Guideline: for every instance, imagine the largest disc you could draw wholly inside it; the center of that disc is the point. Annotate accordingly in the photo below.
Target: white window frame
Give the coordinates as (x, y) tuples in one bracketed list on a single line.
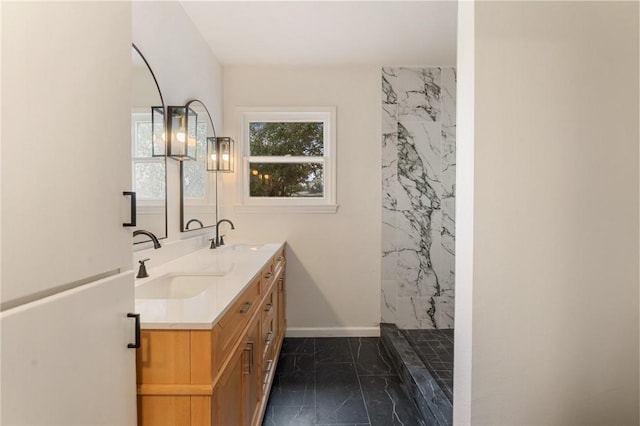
[(324, 204)]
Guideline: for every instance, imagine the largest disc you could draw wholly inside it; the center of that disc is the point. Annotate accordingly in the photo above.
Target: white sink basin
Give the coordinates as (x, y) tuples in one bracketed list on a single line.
[(176, 286)]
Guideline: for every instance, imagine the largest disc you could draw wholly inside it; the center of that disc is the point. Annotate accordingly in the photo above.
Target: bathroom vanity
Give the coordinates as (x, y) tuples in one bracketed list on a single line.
[(212, 325)]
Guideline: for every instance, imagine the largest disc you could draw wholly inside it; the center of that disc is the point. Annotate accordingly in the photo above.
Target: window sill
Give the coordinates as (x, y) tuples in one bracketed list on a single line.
[(319, 209)]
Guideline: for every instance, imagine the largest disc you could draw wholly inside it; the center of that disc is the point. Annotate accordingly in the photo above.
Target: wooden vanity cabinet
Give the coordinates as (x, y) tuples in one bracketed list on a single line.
[(217, 377)]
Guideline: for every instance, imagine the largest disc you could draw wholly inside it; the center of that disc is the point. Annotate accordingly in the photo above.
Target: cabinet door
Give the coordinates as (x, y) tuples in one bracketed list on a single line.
[(228, 392), (65, 359), (237, 393), (69, 153), (251, 379)]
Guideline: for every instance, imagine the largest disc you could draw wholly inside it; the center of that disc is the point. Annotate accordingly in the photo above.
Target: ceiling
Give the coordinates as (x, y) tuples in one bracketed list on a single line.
[(395, 33)]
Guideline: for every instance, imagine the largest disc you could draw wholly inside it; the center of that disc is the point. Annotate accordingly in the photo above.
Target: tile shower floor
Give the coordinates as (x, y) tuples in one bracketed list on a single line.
[(337, 381)]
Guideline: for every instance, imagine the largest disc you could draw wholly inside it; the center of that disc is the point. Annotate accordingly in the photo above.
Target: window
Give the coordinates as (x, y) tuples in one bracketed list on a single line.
[(288, 160)]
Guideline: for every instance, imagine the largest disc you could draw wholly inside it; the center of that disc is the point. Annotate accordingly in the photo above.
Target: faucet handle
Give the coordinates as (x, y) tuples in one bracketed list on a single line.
[(142, 272), (213, 243)]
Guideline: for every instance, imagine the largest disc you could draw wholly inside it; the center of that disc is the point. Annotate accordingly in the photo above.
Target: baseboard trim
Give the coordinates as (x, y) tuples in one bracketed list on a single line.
[(333, 332)]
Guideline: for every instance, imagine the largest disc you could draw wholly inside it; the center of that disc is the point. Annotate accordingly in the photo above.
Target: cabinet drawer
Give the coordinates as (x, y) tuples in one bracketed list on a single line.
[(266, 278), (269, 366), (270, 338), (269, 334), (269, 319), (278, 260), (232, 323), (269, 304)]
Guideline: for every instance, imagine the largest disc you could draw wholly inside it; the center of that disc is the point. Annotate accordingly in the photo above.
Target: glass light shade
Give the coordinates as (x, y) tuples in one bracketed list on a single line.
[(220, 154), (181, 128), (158, 135)]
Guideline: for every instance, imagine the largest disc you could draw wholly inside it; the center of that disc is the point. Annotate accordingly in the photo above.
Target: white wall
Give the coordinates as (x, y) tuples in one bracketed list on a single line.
[(333, 262), (555, 284), (464, 214), (185, 69)]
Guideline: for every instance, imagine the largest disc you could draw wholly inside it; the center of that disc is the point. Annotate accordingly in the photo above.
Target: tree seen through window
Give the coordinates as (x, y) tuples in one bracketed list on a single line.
[(295, 175)]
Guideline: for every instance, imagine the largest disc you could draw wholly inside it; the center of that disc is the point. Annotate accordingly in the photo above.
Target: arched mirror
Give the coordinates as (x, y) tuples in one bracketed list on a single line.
[(149, 173), (198, 201)]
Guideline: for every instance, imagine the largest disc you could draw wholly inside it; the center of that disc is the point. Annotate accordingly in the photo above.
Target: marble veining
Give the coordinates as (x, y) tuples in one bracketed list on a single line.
[(389, 79), (418, 196)]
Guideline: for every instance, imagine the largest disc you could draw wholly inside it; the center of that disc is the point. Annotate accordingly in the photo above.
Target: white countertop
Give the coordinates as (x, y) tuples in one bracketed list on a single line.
[(240, 262)]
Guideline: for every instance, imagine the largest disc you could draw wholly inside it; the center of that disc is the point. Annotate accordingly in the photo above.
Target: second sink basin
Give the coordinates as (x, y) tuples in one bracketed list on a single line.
[(175, 286)]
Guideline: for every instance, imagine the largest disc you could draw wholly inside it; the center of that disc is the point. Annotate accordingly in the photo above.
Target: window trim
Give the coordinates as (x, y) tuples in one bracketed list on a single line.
[(324, 204)]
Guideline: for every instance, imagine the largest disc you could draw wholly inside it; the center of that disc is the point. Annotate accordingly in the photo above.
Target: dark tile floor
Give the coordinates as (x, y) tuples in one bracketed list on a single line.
[(337, 381), (435, 349)]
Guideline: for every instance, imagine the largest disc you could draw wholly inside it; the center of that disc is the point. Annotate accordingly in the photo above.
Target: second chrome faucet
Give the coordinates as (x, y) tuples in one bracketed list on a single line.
[(219, 239)]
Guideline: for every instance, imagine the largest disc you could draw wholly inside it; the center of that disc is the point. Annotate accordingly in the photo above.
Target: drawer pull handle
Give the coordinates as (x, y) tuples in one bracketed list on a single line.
[(268, 307), (268, 275), (269, 367), (245, 308), (269, 337), (267, 371), (249, 365), (281, 281), (133, 217), (279, 258), (250, 356), (135, 345)]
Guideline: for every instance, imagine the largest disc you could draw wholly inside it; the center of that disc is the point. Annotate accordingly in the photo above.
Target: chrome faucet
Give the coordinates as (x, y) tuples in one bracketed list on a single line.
[(219, 241), (156, 243), (196, 221)]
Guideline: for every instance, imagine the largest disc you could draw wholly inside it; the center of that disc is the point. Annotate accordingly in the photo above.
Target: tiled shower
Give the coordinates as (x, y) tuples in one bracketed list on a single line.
[(418, 230), (418, 197)]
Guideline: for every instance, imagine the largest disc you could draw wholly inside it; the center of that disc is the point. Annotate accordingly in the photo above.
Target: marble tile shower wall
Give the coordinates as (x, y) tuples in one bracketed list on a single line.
[(418, 196)]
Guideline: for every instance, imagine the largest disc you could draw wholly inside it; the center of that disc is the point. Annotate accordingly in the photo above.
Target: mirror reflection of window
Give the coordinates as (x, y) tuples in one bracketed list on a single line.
[(148, 172), (195, 172)]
